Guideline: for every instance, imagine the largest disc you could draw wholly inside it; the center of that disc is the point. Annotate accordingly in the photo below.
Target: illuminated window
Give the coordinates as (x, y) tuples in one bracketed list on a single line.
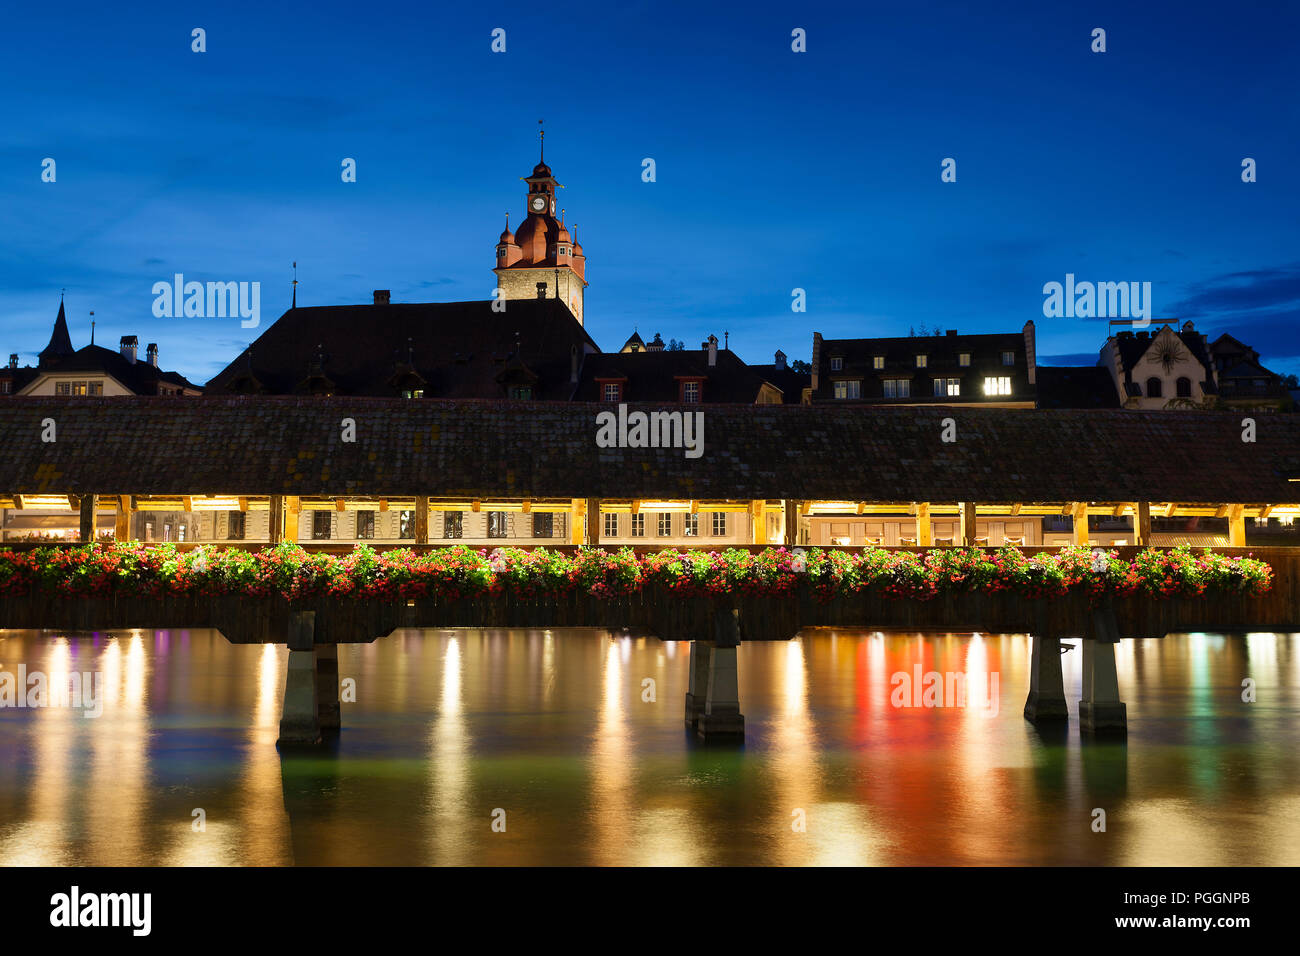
[(963, 359), (947, 386), (413, 393), (922, 361), (877, 361), (997, 385), (62, 388), (97, 388), (690, 392), (613, 391), (848, 389), (320, 525), (691, 526), (497, 524), (406, 524), (365, 524)]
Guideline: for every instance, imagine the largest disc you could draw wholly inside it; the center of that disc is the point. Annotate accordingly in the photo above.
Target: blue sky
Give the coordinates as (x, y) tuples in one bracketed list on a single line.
[(775, 170)]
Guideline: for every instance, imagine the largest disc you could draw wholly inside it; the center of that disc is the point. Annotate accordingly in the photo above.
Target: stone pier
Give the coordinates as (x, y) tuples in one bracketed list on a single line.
[(311, 687), (697, 687), (1046, 699), (1100, 709), (721, 719)]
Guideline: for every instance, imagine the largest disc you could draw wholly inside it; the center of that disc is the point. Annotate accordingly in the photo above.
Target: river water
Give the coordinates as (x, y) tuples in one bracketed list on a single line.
[(541, 747)]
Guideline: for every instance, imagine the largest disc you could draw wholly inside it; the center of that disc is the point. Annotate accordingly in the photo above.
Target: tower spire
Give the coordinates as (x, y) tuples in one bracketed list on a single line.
[(295, 287), (541, 138)]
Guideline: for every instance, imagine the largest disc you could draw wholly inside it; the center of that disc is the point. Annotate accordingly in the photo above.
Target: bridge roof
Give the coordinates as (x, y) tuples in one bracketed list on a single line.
[(290, 445)]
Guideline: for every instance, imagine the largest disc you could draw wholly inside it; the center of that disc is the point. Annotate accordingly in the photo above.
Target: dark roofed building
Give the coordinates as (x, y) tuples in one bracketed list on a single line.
[(792, 384), (995, 369), (1076, 386), (1243, 381), (534, 349), (1160, 367), (92, 370), (705, 375)]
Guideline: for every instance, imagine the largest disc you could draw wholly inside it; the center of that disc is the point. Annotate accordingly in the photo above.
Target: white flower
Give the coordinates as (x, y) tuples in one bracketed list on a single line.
[(497, 561), (798, 564), (200, 562), (1100, 560)]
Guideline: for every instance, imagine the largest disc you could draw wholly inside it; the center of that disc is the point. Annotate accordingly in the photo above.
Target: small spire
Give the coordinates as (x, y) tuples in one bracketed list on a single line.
[(295, 286), (561, 215), (92, 327), (507, 220), (541, 137)]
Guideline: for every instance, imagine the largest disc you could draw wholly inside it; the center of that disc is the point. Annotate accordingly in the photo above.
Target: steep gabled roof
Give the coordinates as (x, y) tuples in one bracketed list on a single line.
[(60, 342), (140, 377), (457, 349)]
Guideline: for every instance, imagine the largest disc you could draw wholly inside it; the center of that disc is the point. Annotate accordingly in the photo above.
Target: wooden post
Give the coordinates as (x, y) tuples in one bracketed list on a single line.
[(1142, 523), (924, 535), (421, 519), (87, 514), (791, 523), (122, 518), (292, 508), (1079, 513), (576, 508), (592, 507), (275, 523), (758, 521), (968, 524), (1237, 526)]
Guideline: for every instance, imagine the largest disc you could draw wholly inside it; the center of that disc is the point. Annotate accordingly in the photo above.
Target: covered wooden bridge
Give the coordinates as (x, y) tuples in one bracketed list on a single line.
[(906, 477)]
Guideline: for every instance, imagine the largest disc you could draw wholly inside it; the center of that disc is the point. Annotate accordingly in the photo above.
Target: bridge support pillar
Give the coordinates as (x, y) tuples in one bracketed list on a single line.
[(1046, 686), (1100, 709), (311, 686), (697, 687), (721, 719)]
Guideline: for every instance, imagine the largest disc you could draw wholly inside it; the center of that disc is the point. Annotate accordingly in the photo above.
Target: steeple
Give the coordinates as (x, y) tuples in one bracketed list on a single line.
[(60, 342)]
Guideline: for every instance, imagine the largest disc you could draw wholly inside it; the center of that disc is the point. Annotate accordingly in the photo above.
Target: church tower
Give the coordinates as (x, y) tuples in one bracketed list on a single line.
[(541, 260)]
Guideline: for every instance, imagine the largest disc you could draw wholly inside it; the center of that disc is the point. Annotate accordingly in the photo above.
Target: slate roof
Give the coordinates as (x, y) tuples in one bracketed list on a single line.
[(653, 376), (450, 349), (1076, 386), (245, 445)]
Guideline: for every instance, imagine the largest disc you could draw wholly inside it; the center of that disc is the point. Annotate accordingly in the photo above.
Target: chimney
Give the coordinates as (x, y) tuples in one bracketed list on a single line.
[(816, 358), (13, 359), (1031, 352), (151, 353), (780, 359), (382, 296), (713, 350), (128, 346), (541, 290)]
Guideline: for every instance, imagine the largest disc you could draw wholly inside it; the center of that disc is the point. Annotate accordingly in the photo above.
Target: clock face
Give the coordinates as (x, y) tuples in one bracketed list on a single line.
[(539, 203)]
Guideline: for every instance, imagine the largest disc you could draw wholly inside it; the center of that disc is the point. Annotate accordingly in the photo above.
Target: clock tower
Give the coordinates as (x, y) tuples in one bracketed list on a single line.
[(541, 260)]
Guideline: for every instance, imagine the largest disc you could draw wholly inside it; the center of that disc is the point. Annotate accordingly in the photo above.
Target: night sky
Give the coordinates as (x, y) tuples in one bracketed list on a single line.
[(775, 169)]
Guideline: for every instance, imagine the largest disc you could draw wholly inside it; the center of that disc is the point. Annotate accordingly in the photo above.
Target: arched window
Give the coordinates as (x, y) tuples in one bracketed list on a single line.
[(1184, 388), (1153, 388)]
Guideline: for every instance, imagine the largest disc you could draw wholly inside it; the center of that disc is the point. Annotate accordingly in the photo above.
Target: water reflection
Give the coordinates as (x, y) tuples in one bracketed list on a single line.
[(578, 737)]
